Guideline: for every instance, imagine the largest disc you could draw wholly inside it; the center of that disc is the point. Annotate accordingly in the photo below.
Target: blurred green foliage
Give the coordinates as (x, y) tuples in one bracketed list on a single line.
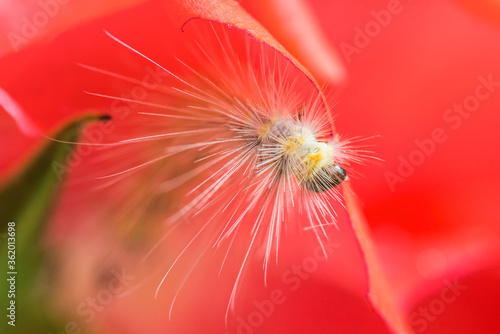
[(27, 200)]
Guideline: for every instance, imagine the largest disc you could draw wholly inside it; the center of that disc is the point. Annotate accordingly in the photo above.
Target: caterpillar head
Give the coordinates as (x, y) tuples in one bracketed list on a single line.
[(327, 177), (322, 172)]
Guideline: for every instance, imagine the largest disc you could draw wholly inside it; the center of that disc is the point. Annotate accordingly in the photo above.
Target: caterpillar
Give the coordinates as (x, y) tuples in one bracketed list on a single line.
[(228, 154)]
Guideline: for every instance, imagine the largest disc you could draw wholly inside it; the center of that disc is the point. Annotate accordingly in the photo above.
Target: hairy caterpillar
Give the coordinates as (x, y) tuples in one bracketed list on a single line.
[(228, 155)]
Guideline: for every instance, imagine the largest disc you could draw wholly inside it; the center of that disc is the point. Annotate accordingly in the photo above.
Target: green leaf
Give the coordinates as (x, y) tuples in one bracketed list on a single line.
[(26, 202)]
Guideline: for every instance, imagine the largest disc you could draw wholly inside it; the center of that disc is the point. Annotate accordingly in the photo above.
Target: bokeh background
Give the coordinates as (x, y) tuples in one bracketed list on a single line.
[(420, 78)]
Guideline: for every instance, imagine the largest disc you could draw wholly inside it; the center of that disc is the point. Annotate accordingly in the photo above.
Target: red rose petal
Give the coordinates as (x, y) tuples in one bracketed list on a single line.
[(403, 81), (23, 23), (462, 305), (485, 9), (293, 24), (381, 293)]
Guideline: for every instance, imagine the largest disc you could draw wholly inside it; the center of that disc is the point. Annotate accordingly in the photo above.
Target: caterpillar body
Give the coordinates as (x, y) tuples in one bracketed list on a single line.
[(229, 153)]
